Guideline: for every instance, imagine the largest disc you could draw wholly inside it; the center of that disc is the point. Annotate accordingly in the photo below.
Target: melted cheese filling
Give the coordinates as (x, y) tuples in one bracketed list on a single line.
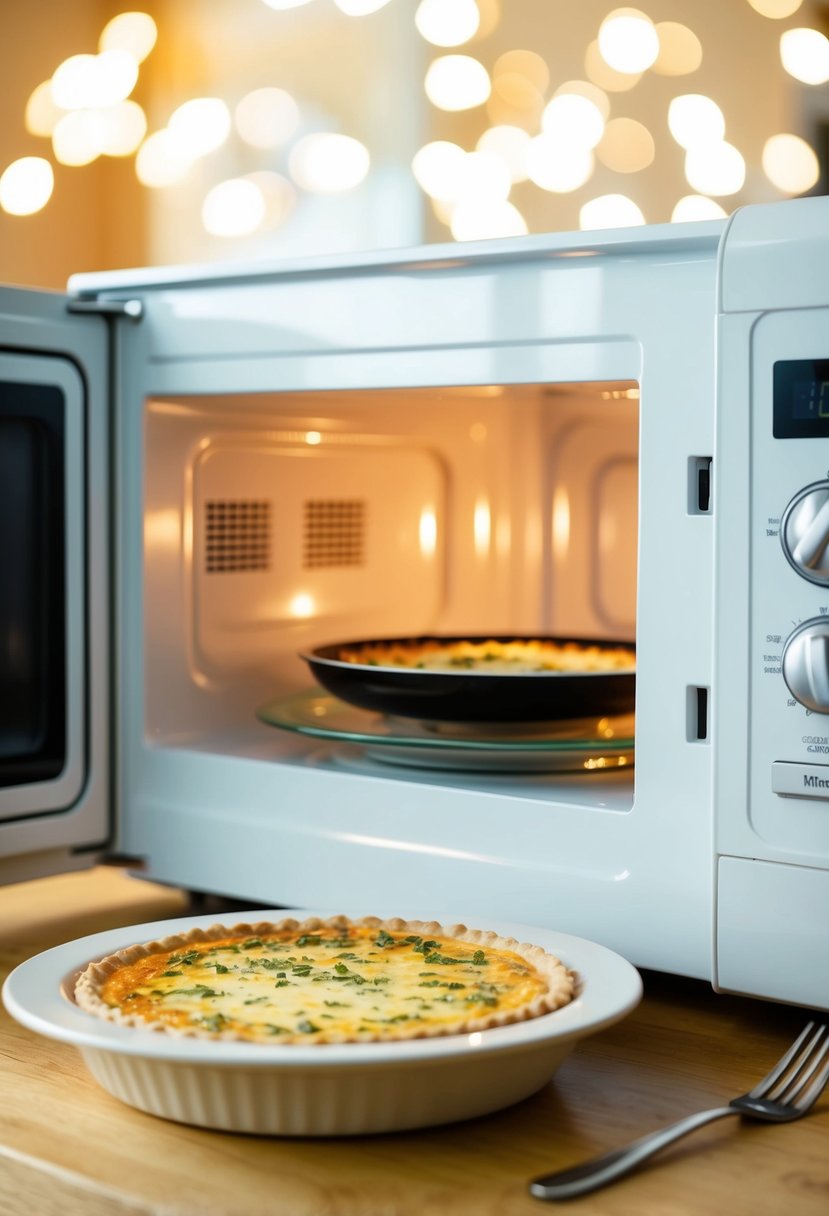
[(355, 982), (494, 657)]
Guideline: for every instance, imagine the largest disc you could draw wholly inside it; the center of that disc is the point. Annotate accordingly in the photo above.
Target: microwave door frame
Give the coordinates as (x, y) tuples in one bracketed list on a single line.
[(64, 822)]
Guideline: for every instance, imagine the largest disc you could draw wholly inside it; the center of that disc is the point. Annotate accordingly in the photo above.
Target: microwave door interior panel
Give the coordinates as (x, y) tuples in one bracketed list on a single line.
[(576, 436)]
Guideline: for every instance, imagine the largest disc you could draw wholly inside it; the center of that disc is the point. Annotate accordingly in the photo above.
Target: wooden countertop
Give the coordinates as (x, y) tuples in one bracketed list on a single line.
[(68, 1147)]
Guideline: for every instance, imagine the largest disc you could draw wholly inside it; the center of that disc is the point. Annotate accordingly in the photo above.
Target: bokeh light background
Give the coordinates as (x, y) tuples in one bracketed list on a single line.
[(210, 130)]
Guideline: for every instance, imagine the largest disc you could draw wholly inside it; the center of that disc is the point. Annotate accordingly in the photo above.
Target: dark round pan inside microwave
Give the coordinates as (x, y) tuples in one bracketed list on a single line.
[(481, 678)]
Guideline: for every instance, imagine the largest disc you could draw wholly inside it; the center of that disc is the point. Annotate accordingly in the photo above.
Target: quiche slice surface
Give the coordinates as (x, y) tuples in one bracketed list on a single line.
[(517, 657), (325, 981)]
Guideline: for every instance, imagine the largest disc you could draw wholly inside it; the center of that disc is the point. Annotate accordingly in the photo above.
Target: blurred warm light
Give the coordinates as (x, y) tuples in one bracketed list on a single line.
[(510, 143), (604, 76), (162, 529), (804, 54), (483, 219), (78, 138), (267, 118), (360, 8), (558, 166), (490, 11), (561, 523), (680, 51), (485, 176), (26, 185), (279, 4), (42, 114), (313, 438), (279, 195), (523, 63), (75, 84), (132, 32), (481, 525), (162, 159), (610, 211), (715, 168), (302, 604), (457, 82), (515, 100), (776, 9), (790, 163), (325, 163), (235, 207), (117, 73), (123, 127), (447, 22), (696, 207), (203, 124), (583, 88), (628, 41), (437, 168), (428, 532), (573, 118), (694, 119), (627, 146)]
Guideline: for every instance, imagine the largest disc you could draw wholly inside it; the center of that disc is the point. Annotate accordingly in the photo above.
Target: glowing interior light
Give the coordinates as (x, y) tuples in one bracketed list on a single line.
[(447, 22), (26, 185), (78, 138), (267, 118), (804, 54), (325, 163), (484, 219), (583, 88), (75, 83), (457, 82), (428, 532), (510, 144), (483, 175), (203, 124), (680, 51), (42, 114), (558, 166), (790, 163), (280, 4), (132, 32), (523, 63), (360, 8), (302, 605), (776, 9), (715, 168), (628, 41), (561, 523), (123, 127), (312, 438), (235, 207), (693, 207), (627, 146), (490, 11), (279, 195), (481, 527), (437, 169), (162, 529), (570, 117), (695, 119), (610, 211), (163, 159), (604, 76)]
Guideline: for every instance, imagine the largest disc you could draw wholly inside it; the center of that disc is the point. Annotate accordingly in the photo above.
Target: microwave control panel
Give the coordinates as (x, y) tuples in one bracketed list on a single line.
[(789, 584)]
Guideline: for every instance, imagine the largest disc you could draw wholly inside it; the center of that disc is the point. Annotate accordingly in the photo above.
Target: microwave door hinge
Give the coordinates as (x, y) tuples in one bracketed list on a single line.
[(134, 309)]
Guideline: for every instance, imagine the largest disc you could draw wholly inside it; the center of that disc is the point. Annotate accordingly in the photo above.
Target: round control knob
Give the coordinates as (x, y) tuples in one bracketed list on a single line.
[(804, 533), (806, 664)]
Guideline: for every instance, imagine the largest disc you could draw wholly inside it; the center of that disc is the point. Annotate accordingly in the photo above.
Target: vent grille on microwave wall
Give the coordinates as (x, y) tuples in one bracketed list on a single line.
[(238, 535), (334, 532)]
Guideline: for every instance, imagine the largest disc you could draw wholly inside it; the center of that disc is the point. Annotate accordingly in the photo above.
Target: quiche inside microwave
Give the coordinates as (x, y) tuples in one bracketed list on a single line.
[(325, 981)]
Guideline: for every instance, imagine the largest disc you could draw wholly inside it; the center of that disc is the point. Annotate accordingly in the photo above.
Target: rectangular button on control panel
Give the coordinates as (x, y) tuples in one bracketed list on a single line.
[(800, 780)]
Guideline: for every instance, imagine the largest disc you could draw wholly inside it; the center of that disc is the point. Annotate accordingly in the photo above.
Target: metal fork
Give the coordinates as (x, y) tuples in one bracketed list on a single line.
[(789, 1091)]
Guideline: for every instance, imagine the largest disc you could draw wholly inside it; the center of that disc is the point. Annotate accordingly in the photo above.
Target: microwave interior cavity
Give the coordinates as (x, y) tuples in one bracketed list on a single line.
[(277, 522)]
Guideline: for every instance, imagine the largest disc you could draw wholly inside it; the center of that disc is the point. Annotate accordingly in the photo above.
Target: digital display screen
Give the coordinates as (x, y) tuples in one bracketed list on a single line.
[(801, 399)]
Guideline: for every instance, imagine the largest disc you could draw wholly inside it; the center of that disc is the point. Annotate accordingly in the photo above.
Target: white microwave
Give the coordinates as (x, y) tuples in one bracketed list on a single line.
[(620, 434)]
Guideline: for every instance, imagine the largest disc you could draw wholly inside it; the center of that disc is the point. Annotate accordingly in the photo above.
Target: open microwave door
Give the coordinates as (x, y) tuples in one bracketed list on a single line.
[(54, 597)]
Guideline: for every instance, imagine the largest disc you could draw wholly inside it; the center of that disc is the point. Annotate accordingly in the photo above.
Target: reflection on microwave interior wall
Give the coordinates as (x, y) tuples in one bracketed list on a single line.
[(206, 473)]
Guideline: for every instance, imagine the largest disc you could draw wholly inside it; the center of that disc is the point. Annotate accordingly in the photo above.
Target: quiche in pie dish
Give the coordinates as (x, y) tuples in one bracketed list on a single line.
[(515, 657), (325, 981)]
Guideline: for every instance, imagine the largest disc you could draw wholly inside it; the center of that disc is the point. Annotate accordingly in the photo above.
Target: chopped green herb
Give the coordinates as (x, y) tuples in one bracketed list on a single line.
[(253, 943), (337, 1004), (164, 974), (384, 939), (306, 1027), (198, 990), (309, 939), (479, 958), (216, 1021), (282, 983), (271, 1029), (341, 969), (176, 960), (301, 969), (256, 1000), (445, 959)]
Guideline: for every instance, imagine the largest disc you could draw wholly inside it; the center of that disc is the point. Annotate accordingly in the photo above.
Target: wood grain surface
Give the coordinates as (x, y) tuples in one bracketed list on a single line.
[(67, 1147)]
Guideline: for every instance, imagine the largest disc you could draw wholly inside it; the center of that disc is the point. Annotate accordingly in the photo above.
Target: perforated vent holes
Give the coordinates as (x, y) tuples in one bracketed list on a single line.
[(334, 532), (238, 535)]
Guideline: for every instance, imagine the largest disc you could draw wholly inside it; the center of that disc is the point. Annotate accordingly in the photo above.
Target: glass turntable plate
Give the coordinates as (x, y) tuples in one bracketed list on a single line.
[(588, 745)]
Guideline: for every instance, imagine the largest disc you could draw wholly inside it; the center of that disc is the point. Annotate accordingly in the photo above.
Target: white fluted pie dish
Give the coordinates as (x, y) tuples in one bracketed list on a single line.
[(322, 1089)]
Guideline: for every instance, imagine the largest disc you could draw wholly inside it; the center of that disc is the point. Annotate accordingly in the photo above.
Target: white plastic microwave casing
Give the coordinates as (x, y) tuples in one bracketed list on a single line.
[(488, 390)]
